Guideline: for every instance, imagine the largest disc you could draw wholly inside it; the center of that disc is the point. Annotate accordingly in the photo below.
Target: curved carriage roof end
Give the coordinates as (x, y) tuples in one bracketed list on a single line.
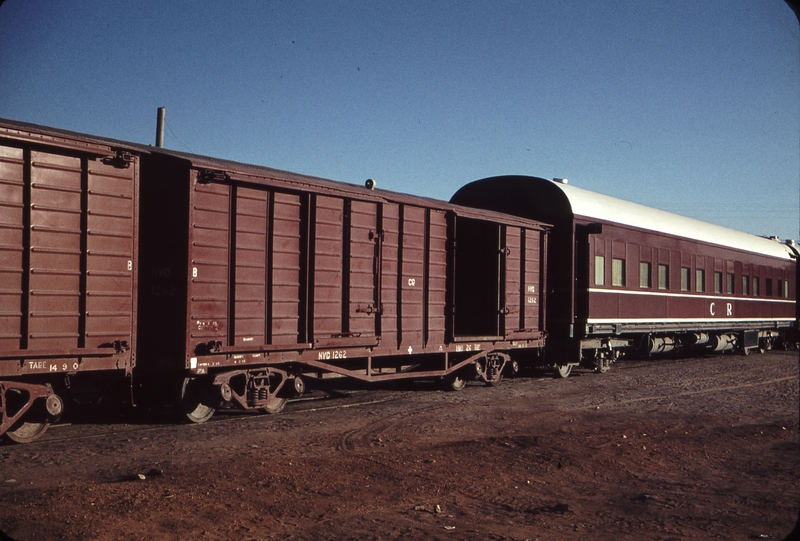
[(585, 204)]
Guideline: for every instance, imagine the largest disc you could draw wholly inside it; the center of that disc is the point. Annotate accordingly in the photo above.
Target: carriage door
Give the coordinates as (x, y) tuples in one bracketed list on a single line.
[(346, 270), (522, 281), (477, 284), (583, 257), (364, 270)]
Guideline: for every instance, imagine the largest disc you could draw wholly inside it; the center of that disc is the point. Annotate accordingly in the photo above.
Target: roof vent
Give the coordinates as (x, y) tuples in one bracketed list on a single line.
[(791, 242), (561, 180)]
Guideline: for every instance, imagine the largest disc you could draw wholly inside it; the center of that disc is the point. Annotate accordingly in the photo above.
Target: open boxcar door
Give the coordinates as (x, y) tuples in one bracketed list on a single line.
[(497, 280), (477, 279)]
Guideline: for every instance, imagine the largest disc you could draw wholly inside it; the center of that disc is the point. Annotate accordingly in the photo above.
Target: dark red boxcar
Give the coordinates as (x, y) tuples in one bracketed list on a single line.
[(251, 278), (68, 224), (623, 275), (234, 283)]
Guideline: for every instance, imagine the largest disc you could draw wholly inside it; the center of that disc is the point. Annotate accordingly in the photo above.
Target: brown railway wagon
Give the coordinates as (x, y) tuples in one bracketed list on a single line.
[(627, 277), (68, 249), (253, 280), (237, 283)]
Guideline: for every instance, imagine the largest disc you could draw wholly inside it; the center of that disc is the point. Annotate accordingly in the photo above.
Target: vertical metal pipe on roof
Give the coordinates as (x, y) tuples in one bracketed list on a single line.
[(162, 111)]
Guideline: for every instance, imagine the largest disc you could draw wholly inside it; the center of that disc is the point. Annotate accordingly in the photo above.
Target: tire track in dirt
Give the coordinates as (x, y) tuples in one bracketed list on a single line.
[(387, 429), (700, 391)]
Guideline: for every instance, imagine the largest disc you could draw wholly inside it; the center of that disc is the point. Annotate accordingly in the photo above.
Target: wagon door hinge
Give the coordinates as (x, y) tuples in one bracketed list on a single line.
[(207, 176), (120, 160)]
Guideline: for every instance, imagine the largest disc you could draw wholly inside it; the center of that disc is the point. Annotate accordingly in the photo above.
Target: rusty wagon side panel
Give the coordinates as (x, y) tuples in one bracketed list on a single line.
[(68, 246)]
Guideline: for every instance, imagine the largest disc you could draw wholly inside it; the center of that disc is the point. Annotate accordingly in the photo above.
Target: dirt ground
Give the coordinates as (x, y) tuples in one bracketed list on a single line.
[(680, 449)]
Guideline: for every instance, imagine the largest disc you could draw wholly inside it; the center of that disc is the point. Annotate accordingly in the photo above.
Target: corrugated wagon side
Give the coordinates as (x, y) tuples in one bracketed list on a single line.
[(68, 246), (255, 280)]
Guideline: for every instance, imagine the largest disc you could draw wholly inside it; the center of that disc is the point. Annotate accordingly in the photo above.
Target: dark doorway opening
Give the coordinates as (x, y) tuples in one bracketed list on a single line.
[(477, 278)]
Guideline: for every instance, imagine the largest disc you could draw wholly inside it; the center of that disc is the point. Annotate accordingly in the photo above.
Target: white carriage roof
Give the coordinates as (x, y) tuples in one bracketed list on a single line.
[(603, 207)]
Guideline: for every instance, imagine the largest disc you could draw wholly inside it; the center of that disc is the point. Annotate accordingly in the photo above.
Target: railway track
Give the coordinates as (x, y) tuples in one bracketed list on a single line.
[(90, 427)]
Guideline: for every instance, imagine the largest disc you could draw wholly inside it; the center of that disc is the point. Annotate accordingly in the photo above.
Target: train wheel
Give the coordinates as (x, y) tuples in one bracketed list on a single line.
[(563, 371), (194, 400), (27, 431), (455, 382), (512, 368), (274, 405), (31, 426)]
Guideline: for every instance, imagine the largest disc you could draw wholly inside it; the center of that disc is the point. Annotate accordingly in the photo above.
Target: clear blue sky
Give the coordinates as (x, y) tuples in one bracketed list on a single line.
[(690, 106)]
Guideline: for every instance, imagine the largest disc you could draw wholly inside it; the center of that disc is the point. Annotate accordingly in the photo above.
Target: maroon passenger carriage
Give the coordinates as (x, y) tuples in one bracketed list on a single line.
[(624, 277)]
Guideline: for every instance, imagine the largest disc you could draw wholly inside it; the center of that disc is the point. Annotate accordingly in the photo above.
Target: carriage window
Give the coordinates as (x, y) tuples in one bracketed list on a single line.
[(786, 289), (644, 274), (599, 270), (755, 286), (685, 286), (663, 277), (745, 285), (617, 272), (768, 287), (717, 282), (700, 280), (780, 288), (729, 284)]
